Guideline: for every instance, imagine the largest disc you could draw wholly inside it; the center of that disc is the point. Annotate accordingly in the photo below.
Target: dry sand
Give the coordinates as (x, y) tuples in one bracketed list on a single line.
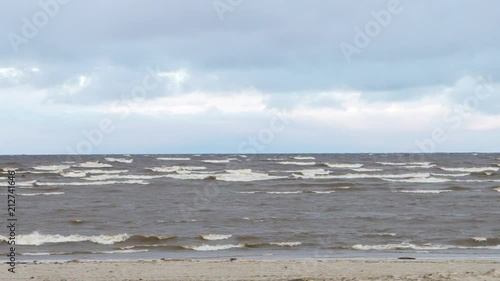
[(258, 270)]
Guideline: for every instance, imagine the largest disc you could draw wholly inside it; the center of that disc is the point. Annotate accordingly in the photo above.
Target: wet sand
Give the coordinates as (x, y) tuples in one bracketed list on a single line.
[(258, 270)]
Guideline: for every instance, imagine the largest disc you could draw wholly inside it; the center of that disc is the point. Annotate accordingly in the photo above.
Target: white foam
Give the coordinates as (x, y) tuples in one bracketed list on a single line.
[(90, 183), (386, 234), (244, 175), (119, 160), (177, 169), (286, 244), (9, 169), (419, 180), (95, 164), (128, 251), (174, 158), (367, 170), (310, 172), (214, 247), (52, 167), (98, 171), (217, 161), (344, 166), (303, 158), (471, 170), (284, 192), (43, 193), (38, 239), (451, 175), (186, 176), (424, 247), (118, 177), (23, 184), (74, 174), (419, 166), (480, 239), (297, 163), (323, 192), (391, 164), (243, 156), (424, 191), (216, 236), (366, 176)]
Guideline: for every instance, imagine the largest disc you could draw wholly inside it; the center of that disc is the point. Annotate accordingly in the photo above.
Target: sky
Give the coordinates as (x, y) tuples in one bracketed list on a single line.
[(241, 76)]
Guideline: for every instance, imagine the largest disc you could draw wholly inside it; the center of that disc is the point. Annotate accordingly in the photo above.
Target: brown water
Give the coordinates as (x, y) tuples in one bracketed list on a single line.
[(271, 206)]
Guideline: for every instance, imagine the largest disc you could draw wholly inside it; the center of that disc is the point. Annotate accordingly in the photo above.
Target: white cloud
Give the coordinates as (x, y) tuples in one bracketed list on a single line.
[(192, 103)]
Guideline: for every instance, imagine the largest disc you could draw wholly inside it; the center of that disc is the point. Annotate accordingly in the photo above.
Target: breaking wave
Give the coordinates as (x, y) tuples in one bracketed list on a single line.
[(119, 160)]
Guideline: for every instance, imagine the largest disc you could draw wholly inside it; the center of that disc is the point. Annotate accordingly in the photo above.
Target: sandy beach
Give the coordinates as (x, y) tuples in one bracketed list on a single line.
[(258, 270)]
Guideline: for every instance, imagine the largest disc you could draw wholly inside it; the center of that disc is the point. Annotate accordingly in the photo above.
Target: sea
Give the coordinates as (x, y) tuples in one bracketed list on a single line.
[(259, 206)]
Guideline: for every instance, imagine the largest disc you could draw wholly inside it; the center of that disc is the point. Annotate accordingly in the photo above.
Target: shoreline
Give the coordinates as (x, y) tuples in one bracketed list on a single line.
[(243, 269)]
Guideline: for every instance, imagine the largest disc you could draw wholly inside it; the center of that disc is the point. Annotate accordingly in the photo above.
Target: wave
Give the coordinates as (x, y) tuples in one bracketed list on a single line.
[(119, 160), (289, 192), (52, 167), (366, 176), (424, 191), (88, 183), (297, 163), (303, 158), (424, 247), (392, 234), (367, 170), (114, 176), (283, 192), (451, 175), (471, 170), (405, 164), (95, 164), (37, 239), (43, 193), (73, 174), (286, 244), (217, 161), (9, 169), (120, 251), (419, 166), (313, 172), (419, 180), (214, 247), (98, 171), (212, 237), (177, 169), (346, 166), (244, 175), (84, 173), (391, 164), (174, 158)]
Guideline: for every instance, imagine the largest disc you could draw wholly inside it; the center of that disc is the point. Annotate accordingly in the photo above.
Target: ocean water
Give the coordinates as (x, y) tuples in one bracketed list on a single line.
[(257, 206)]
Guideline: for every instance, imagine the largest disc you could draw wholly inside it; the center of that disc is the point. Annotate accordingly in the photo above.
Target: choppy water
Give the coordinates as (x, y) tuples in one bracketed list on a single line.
[(316, 206)]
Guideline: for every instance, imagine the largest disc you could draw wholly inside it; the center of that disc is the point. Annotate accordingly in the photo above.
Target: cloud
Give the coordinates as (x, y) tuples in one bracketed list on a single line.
[(266, 56)]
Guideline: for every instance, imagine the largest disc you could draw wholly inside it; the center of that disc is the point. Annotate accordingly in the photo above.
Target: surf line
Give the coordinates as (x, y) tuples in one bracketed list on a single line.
[(11, 221)]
